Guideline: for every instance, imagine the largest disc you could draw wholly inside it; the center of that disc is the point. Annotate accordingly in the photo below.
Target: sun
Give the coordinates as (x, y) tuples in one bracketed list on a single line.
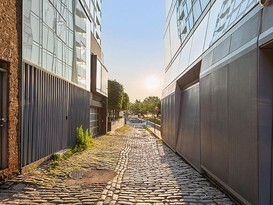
[(152, 82)]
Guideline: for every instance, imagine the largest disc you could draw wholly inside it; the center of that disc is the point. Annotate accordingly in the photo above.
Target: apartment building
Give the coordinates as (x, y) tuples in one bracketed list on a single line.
[(52, 78), (217, 96)]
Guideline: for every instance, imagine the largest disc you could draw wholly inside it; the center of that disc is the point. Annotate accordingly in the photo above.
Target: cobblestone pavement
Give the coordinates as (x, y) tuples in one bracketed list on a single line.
[(147, 172)]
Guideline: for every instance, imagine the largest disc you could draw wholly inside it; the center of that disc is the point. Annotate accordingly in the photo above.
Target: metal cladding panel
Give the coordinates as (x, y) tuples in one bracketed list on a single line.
[(164, 119), (243, 140), (229, 141), (267, 22), (188, 142), (246, 32), (52, 109), (221, 50), (265, 123), (173, 138), (168, 120), (205, 116), (219, 121)]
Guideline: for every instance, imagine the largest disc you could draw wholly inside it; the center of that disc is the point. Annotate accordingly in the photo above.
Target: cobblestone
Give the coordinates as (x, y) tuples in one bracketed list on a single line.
[(147, 172)]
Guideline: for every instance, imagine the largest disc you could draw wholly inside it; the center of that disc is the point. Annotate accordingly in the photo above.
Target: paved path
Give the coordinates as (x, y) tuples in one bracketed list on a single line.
[(148, 172)]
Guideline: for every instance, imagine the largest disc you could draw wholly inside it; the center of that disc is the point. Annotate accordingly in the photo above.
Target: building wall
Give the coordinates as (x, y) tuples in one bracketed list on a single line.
[(235, 95), (56, 76), (95, 47), (52, 110), (10, 58)]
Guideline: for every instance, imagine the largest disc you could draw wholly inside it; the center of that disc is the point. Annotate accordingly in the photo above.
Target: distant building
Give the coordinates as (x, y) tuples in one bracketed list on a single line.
[(217, 97), (52, 77)]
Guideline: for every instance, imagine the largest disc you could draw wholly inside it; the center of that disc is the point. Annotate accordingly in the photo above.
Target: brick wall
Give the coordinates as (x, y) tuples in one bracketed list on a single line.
[(10, 55)]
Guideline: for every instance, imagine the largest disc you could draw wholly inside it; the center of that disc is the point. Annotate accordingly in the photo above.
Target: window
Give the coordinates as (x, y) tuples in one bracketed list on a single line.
[(188, 12)]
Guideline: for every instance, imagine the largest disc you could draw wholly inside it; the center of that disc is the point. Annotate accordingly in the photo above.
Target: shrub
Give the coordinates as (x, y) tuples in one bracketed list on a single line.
[(83, 140)]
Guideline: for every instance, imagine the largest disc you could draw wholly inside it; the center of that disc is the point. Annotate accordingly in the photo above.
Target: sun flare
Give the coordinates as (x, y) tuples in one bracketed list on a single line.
[(152, 82)]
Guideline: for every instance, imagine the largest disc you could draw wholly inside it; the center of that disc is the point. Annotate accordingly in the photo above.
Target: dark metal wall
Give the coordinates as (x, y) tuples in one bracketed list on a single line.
[(168, 115), (188, 138), (229, 141), (265, 121), (52, 110), (236, 111)]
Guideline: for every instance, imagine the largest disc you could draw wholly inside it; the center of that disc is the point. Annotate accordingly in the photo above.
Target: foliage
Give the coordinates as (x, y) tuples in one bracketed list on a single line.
[(83, 140), (115, 94), (150, 103), (57, 158), (136, 107), (150, 132), (117, 99), (124, 129), (125, 101), (155, 120), (147, 106)]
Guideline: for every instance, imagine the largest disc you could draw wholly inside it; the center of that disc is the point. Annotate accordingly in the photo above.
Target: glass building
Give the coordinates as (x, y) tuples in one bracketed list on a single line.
[(218, 90), (64, 80)]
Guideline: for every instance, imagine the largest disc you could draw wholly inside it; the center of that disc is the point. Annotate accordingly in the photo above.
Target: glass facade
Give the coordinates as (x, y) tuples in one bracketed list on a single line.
[(183, 47), (188, 12), (231, 11), (102, 79), (56, 38), (94, 6)]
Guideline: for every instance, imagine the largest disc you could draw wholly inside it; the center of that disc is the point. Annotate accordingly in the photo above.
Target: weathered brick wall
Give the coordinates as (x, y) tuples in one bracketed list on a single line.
[(10, 52)]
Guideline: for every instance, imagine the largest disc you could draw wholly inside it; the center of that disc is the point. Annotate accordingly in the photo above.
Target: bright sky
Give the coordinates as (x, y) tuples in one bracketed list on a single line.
[(132, 43)]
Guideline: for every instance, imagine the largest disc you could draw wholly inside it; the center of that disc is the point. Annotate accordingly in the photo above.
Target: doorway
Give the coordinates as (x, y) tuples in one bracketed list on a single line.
[(3, 118)]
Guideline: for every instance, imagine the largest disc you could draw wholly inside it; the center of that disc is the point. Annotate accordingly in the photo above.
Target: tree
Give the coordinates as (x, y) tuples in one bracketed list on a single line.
[(136, 107), (125, 102), (150, 103), (147, 106), (115, 96)]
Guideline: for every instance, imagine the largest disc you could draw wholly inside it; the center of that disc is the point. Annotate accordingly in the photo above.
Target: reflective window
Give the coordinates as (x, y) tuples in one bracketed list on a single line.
[(188, 12), (231, 11), (101, 79), (48, 38)]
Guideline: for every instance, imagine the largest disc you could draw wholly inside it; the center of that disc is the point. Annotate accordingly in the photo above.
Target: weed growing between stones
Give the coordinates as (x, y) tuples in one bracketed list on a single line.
[(56, 158), (150, 132), (83, 141), (124, 129)]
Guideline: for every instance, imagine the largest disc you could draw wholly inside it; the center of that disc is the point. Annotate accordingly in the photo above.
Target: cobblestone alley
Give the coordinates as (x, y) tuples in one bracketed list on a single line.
[(130, 167)]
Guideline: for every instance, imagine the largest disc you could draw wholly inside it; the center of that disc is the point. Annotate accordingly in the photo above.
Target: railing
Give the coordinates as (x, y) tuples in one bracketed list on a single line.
[(155, 128)]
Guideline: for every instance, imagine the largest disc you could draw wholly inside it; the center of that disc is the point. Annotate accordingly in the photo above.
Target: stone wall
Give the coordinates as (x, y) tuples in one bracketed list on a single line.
[(118, 123), (11, 59)]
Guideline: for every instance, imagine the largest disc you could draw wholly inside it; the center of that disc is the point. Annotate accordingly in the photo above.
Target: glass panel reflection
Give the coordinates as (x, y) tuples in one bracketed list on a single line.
[(231, 11), (49, 34), (188, 12)]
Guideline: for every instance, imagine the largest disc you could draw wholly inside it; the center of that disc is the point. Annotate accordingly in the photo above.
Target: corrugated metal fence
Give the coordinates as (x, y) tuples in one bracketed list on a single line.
[(52, 108)]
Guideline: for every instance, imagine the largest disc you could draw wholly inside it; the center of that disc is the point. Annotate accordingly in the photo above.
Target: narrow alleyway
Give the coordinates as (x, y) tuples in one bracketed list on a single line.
[(145, 172)]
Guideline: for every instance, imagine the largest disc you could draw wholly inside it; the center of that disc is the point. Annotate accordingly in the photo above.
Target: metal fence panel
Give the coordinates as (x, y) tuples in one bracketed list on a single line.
[(52, 110)]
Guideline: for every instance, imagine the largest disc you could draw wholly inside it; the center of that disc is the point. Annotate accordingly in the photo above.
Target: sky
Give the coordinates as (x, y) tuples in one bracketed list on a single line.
[(132, 43)]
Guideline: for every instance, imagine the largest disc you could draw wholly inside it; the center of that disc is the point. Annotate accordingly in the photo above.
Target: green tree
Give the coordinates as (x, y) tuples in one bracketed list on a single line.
[(115, 97), (125, 102), (150, 103), (135, 108), (147, 106)]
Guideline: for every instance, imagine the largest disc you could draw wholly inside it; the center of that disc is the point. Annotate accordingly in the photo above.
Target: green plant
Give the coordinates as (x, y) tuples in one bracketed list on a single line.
[(83, 140), (56, 157), (146, 128)]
